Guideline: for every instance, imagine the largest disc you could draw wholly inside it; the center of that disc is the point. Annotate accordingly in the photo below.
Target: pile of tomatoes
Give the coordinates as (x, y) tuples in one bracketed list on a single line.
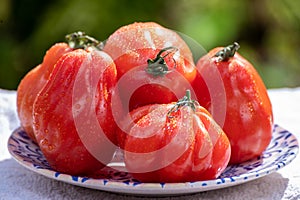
[(140, 91)]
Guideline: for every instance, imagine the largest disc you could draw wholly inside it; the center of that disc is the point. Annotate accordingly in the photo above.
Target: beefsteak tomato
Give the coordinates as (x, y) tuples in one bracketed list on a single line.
[(175, 142), (72, 116), (248, 115), (152, 60), (35, 80)]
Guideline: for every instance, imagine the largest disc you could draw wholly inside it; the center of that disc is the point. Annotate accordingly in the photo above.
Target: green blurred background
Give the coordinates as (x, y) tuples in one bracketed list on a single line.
[(268, 31)]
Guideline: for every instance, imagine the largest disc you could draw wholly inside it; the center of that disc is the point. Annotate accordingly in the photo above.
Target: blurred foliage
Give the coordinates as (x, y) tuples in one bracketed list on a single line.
[(268, 31)]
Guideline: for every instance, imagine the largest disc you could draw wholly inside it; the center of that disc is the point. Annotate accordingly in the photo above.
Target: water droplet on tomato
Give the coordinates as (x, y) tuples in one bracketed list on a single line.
[(44, 142), (50, 147)]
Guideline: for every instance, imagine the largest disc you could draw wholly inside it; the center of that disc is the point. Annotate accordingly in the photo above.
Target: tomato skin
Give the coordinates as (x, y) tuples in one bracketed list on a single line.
[(249, 117), (33, 82), (64, 111), (188, 146), (131, 46)]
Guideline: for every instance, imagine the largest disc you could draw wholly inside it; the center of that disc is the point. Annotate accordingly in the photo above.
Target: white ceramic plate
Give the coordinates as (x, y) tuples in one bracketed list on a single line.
[(281, 151)]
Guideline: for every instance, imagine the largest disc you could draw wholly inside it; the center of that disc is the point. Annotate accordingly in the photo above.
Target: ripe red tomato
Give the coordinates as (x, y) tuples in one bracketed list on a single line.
[(33, 82), (152, 60), (248, 114), (73, 121), (174, 142)]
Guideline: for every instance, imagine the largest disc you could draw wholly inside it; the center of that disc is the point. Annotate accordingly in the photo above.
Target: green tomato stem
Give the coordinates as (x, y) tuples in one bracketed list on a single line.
[(227, 52), (79, 40), (185, 101), (158, 66)]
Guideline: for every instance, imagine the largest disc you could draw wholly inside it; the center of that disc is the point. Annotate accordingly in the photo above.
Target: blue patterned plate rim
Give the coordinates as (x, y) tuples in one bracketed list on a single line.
[(282, 150)]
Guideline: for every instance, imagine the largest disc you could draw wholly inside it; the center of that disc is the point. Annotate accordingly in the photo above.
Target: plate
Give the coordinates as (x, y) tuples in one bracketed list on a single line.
[(282, 150)]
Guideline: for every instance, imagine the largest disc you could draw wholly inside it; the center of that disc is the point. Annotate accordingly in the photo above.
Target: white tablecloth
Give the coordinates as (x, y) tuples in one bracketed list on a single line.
[(17, 182)]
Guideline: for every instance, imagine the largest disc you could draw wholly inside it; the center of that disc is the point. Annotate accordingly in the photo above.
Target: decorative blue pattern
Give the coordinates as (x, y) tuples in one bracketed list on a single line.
[(281, 151)]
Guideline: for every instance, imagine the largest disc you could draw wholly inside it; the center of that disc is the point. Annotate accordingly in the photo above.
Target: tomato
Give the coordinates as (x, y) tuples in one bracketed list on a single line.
[(152, 60), (248, 118), (35, 79), (175, 142), (33, 82), (72, 116)]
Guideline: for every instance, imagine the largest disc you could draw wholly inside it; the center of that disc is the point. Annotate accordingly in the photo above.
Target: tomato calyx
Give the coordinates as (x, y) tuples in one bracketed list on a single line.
[(227, 52), (185, 101), (79, 40), (158, 66)]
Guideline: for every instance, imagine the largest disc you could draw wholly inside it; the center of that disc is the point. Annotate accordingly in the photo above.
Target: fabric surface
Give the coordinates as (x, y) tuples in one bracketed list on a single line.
[(17, 182)]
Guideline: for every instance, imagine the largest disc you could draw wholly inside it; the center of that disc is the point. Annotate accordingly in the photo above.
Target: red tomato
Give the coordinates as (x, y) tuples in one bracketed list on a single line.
[(174, 142), (33, 82), (248, 115), (73, 120), (152, 60)]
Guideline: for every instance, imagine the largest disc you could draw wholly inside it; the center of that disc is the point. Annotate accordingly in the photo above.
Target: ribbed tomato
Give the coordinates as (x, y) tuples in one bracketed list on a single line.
[(174, 142), (248, 114), (72, 116), (152, 60)]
